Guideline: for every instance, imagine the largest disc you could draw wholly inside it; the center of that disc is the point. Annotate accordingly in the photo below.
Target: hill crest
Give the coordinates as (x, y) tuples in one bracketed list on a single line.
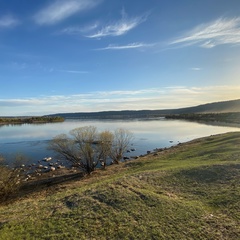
[(215, 107)]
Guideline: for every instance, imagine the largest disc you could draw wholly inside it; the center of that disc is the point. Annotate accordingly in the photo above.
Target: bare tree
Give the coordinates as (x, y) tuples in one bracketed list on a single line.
[(66, 147), (87, 147), (105, 139), (86, 139), (121, 142), (80, 149)]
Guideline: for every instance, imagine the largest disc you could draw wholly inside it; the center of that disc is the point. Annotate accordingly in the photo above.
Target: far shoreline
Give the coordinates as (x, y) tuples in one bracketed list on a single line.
[(29, 120)]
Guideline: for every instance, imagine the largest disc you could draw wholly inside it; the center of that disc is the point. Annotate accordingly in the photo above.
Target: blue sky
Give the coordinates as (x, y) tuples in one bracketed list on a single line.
[(99, 55)]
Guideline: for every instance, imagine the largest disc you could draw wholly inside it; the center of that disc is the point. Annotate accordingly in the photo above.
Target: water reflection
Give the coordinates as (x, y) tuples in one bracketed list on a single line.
[(32, 139)]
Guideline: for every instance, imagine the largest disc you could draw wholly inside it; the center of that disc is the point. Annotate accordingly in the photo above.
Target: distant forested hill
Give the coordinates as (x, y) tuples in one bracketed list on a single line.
[(216, 107)]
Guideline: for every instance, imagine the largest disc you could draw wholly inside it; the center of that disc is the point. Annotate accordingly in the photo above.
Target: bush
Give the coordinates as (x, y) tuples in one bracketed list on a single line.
[(9, 182), (10, 178)]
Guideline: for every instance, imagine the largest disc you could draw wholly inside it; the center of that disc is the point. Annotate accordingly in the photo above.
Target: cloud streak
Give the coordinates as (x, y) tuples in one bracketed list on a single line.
[(128, 46), (196, 69), (62, 9), (79, 30), (73, 71), (118, 28), (8, 21), (219, 32)]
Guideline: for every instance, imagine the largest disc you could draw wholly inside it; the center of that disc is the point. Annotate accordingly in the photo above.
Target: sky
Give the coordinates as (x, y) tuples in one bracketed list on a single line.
[(59, 56)]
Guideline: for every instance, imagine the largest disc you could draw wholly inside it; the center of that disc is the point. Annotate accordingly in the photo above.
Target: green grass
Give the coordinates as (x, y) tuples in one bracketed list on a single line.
[(191, 191)]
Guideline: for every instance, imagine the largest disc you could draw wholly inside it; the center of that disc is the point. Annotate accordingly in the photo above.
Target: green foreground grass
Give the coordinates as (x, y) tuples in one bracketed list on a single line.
[(191, 191)]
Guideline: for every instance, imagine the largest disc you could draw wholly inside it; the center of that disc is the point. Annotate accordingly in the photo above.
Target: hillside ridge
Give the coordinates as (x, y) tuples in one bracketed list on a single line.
[(215, 107)]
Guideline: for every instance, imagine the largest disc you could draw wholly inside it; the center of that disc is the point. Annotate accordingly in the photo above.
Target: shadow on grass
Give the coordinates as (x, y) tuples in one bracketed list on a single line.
[(217, 186), (211, 174), (38, 185)]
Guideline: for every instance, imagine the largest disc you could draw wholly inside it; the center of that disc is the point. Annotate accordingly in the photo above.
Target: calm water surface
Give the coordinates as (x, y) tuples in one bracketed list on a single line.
[(32, 140)]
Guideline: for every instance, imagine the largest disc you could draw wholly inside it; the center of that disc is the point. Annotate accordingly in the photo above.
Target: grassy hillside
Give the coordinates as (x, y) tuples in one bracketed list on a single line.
[(191, 191)]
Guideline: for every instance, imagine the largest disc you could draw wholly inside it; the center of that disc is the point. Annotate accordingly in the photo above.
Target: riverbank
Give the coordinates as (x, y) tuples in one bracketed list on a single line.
[(189, 191)]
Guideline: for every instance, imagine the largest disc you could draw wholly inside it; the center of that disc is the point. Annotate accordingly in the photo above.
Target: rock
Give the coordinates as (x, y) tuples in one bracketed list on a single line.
[(60, 166), (52, 168)]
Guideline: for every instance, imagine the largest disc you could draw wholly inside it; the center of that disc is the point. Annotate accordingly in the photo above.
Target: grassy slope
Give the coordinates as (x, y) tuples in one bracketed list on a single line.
[(191, 191)]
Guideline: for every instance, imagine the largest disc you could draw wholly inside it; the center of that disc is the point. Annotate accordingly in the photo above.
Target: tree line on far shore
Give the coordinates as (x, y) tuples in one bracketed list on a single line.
[(231, 117), (22, 120)]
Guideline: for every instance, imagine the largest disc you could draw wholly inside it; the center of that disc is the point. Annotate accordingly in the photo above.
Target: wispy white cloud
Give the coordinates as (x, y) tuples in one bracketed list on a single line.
[(76, 30), (59, 10), (218, 32), (73, 71), (103, 94), (128, 46), (8, 21), (120, 27), (196, 69), (155, 98)]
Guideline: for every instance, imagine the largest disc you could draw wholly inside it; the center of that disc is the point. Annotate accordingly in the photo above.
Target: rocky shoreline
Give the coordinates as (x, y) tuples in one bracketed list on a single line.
[(49, 171)]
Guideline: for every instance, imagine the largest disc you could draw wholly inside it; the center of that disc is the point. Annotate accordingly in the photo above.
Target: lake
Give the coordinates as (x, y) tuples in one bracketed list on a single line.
[(31, 140)]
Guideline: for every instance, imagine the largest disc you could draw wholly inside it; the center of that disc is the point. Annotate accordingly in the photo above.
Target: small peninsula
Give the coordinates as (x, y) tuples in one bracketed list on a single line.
[(24, 120)]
